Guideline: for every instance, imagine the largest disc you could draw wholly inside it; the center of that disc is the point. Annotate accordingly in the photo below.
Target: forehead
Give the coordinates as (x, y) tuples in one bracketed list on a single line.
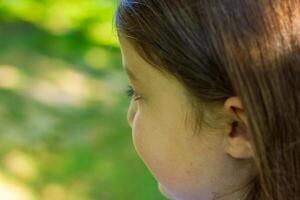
[(129, 54), (150, 78), (141, 68), (133, 63)]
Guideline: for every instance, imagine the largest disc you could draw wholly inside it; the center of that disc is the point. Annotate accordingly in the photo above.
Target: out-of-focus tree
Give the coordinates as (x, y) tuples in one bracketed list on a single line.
[(63, 131)]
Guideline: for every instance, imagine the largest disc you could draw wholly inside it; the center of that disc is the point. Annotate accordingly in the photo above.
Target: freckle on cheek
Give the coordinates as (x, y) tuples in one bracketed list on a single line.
[(188, 172)]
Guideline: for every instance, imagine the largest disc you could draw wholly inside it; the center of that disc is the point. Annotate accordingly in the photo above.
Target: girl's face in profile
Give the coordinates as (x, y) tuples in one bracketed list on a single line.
[(188, 165)]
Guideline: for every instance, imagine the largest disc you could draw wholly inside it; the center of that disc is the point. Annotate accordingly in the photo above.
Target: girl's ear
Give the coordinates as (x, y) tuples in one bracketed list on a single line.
[(238, 137)]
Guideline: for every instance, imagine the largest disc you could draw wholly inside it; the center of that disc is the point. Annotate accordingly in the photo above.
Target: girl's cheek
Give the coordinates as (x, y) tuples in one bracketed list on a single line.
[(131, 112), (133, 117), (137, 129), (141, 137), (138, 133)]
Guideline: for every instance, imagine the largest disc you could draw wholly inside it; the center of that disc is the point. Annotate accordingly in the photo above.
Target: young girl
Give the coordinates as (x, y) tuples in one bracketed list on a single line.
[(215, 86)]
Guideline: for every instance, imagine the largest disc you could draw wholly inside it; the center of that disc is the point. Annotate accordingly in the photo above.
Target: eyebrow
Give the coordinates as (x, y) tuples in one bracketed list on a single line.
[(130, 74)]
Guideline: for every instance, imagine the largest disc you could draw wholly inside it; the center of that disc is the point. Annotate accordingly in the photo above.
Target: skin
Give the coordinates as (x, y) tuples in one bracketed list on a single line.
[(187, 165)]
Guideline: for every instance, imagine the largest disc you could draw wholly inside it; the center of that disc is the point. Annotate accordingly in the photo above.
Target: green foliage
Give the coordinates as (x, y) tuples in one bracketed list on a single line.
[(58, 17), (64, 134)]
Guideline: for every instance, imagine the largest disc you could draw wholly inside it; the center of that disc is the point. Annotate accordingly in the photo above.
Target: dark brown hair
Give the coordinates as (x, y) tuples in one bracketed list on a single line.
[(223, 48)]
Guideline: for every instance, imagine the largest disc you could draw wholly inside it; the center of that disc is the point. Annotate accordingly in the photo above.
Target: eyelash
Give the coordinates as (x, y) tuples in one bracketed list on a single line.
[(132, 94)]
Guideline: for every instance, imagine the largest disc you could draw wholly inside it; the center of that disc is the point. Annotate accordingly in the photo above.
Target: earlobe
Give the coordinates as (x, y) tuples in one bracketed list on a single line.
[(238, 137), (238, 142)]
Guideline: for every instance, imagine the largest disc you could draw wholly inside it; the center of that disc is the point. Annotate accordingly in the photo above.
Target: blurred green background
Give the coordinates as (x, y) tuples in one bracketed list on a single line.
[(64, 134)]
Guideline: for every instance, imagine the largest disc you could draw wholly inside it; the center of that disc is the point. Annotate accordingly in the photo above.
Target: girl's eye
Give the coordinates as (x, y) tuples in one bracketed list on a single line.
[(131, 93)]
